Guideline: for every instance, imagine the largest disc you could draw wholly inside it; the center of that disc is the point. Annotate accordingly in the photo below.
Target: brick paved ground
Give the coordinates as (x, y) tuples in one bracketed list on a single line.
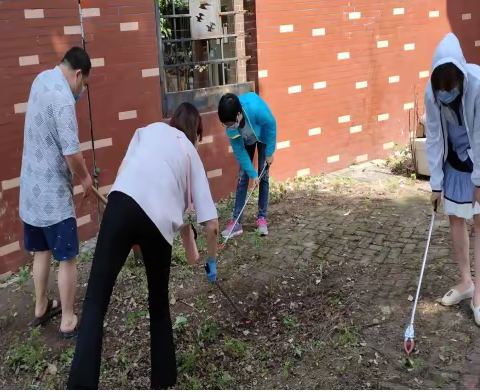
[(327, 295)]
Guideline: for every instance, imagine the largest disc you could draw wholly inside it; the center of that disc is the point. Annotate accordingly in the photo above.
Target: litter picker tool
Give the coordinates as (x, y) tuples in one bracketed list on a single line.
[(241, 212), (409, 335), (237, 309)]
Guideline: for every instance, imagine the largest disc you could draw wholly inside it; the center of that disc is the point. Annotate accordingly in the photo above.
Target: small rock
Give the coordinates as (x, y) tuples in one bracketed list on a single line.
[(375, 321), (52, 369), (318, 281), (363, 344), (246, 332), (386, 310), (290, 340), (410, 298)]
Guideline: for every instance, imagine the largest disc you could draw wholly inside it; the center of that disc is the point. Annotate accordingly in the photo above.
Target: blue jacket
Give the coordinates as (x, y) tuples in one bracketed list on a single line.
[(261, 120)]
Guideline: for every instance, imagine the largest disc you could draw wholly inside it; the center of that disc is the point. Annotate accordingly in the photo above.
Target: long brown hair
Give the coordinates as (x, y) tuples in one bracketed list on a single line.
[(187, 119)]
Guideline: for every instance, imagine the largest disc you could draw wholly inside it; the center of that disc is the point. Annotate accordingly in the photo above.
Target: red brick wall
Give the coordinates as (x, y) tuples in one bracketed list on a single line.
[(125, 86), (296, 59), (124, 90)]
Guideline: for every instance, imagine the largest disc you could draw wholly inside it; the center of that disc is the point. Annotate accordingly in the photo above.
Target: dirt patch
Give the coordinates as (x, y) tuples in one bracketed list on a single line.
[(326, 294)]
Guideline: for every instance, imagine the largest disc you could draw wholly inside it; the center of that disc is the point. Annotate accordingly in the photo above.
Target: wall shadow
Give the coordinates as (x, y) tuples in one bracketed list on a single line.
[(464, 19)]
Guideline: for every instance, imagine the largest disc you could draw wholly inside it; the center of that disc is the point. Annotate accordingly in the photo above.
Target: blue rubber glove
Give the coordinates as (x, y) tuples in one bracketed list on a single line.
[(211, 269)]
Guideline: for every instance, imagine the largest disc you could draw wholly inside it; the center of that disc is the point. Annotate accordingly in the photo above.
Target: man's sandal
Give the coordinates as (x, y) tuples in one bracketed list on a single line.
[(49, 313)]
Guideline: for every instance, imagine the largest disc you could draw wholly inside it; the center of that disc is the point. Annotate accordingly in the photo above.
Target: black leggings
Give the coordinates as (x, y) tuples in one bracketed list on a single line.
[(124, 225)]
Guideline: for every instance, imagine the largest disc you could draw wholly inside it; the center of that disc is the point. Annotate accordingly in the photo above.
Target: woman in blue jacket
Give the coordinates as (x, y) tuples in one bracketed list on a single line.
[(249, 124)]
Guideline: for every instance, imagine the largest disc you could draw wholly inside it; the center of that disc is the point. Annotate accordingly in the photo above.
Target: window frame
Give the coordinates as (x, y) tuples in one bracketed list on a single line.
[(205, 99)]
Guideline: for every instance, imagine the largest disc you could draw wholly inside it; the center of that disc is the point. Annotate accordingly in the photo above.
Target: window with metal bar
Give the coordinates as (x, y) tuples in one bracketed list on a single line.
[(198, 44)]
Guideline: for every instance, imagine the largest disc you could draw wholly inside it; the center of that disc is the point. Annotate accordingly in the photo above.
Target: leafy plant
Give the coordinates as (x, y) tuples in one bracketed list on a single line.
[(180, 324), (28, 356), (290, 322), (208, 331), (235, 347), (23, 274), (348, 336)]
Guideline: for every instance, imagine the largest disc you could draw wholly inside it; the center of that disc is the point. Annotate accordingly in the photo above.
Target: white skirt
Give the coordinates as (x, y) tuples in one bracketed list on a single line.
[(461, 210), (458, 191)]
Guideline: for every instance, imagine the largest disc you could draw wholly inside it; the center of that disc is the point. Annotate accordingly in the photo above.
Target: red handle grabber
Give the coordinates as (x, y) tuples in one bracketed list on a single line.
[(409, 345)]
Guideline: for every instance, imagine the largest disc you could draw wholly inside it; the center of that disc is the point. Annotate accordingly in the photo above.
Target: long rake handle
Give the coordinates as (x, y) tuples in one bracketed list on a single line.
[(423, 267), (246, 202), (229, 299), (102, 198)]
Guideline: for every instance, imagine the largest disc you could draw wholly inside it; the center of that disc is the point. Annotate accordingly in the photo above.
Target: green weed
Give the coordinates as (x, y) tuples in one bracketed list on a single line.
[(208, 331), (290, 322), (23, 274), (28, 356), (235, 347), (348, 336)]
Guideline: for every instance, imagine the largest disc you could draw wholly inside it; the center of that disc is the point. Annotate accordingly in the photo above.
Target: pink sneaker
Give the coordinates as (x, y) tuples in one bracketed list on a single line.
[(237, 230), (262, 226)]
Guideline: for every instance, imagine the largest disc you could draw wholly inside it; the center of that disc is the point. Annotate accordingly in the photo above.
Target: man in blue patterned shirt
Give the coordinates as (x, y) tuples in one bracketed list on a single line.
[(51, 153)]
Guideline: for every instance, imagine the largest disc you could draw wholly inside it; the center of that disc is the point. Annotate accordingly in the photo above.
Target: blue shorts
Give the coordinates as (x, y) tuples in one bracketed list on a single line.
[(61, 239)]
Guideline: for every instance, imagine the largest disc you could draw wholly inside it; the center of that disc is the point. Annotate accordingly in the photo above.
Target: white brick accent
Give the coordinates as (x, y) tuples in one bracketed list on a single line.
[(361, 158), (20, 107), (263, 73), (90, 12), (408, 106), (303, 172), (319, 85), (10, 248), (333, 159), (295, 89), (129, 26), (104, 190), (10, 184), (383, 117), (230, 149), (284, 144), (34, 14), (98, 144), (127, 115), (344, 119), (360, 85), (207, 140), (434, 14), (423, 74), (354, 15), (150, 72), (28, 60), (343, 56), (477, 43), (382, 44), (398, 11), (72, 30), (388, 146), (356, 129), (314, 131), (77, 190), (99, 62), (83, 220), (318, 32), (466, 16), (408, 47), (394, 79), (214, 173), (286, 28)]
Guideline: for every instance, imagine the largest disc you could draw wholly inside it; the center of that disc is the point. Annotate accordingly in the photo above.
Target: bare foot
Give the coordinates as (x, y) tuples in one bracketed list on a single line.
[(41, 306), (68, 325)]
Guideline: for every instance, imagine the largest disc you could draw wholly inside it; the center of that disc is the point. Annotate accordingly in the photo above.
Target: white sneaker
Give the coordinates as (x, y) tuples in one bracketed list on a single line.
[(453, 297), (476, 312)]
